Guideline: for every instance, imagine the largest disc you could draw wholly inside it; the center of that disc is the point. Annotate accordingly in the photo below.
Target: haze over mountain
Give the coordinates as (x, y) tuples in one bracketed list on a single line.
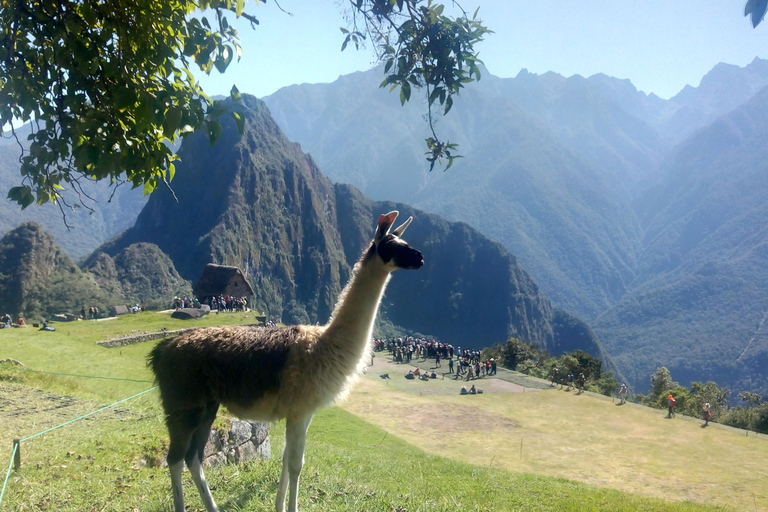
[(705, 254), (109, 215), (518, 183), (259, 203), (639, 213)]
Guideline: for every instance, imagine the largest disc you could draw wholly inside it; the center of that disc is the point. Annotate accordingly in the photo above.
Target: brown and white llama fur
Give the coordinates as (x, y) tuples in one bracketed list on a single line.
[(267, 374)]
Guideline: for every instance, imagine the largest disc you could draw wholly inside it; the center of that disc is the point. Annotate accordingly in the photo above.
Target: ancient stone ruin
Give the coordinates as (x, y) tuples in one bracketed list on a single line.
[(245, 440)]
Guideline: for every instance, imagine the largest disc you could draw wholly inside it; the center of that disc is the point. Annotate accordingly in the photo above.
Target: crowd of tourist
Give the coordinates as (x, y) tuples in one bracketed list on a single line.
[(570, 381), (220, 303), (92, 312), (462, 363), (7, 321), (185, 302)]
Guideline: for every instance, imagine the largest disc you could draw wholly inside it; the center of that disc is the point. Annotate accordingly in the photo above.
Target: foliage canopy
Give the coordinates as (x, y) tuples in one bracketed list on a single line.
[(107, 84)]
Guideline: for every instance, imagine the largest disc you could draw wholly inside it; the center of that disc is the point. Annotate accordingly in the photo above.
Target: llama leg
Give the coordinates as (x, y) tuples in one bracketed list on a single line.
[(293, 461), (196, 471), (282, 485), (194, 458), (180, 440), (178, 492)]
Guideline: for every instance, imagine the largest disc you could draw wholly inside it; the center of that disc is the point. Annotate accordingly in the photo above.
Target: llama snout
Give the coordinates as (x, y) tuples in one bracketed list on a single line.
[(413, 261)]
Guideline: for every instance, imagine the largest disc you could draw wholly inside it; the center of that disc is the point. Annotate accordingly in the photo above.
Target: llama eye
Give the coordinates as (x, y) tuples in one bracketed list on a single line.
[(386, 252)]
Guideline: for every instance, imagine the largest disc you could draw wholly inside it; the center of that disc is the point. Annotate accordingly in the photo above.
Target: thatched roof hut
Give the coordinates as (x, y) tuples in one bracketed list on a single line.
[(221, 280)]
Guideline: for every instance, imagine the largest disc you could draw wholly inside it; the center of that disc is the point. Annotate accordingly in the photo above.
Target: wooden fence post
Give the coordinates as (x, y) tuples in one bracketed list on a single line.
[(17, 456)]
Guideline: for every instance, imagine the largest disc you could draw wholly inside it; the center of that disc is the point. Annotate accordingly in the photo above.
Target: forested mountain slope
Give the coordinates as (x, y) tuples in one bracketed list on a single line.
[(38, 279), (259, 203), (518, 182), (701, 300), (639, 211)]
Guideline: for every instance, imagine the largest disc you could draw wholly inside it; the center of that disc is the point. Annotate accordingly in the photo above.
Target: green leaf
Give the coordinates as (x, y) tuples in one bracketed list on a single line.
[(450, 161), (22, 195), (435, 94), (405, 92), (756, 9), (239, 121), (214, 131), (172, 121), (171, 172), (223, 59), (239, 8), (234, 94)]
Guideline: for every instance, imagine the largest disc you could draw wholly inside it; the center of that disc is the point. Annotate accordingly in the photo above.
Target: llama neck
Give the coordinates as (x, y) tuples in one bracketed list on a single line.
[(352, 322)]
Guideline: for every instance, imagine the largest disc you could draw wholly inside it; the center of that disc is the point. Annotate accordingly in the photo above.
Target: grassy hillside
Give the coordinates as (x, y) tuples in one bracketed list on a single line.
[(395, 445), (587, 438)]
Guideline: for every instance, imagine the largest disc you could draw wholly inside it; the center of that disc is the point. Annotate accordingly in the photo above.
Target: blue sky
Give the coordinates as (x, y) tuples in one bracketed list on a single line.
[(660, 45)]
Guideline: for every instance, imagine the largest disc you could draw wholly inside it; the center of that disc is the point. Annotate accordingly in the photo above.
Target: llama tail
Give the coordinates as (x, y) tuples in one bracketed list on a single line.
[(157, 356)]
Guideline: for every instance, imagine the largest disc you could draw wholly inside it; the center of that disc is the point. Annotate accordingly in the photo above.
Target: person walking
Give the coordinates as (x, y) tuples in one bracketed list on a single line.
[(671, 406), (555, 376), (707, 414), (623, 393)]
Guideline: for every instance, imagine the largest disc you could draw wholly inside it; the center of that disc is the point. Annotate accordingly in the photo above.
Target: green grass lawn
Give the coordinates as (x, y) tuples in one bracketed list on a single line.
[(587, 438), (390, 448)]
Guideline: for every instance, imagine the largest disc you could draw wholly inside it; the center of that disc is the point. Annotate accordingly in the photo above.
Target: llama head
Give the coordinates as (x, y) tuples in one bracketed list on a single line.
[(393, 250)]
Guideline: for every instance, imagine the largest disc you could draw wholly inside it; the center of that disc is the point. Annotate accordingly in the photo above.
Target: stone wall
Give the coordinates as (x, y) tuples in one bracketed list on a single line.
[(243, 441), (138, 338)]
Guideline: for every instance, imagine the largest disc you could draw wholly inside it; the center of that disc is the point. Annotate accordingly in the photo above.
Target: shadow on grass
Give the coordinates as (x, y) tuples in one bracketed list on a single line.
[(262, 491)]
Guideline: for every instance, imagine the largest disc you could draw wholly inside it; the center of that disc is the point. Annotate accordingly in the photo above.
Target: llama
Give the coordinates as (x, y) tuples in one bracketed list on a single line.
[(267, 374)]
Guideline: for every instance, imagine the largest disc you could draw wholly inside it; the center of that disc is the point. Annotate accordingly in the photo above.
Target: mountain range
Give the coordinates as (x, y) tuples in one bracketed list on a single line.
[(639, 214), (256, 201)]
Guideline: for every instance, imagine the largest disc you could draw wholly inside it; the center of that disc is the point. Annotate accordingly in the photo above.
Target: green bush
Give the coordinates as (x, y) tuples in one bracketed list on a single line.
[(690, 401), (524, 357)]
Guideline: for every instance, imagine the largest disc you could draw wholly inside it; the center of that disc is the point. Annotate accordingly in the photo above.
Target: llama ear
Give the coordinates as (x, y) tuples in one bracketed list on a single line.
[(399, 231), (385, 222)]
